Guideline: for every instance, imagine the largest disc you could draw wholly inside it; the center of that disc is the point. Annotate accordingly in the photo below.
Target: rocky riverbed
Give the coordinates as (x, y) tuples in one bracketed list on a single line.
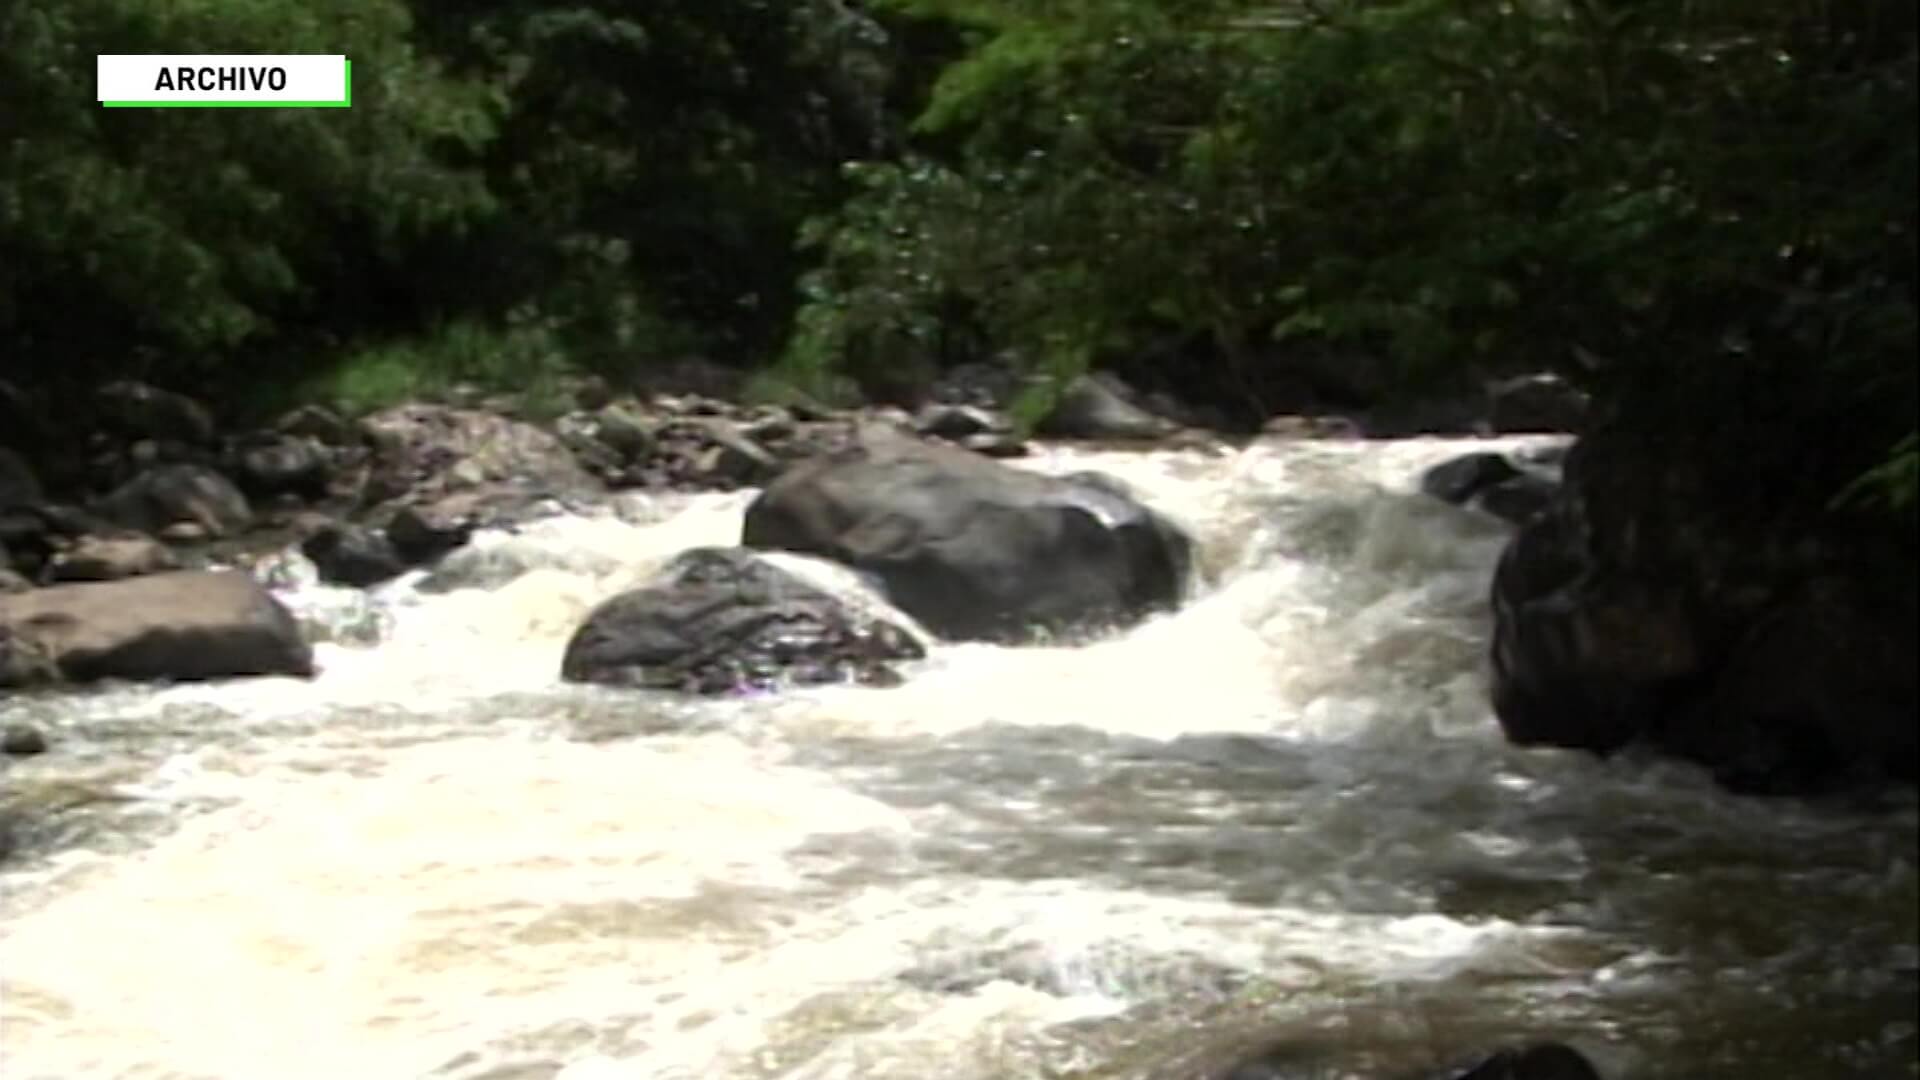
[(681, 738)]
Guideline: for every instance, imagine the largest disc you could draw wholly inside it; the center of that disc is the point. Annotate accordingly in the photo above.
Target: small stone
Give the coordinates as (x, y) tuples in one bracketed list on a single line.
[(20, 740)]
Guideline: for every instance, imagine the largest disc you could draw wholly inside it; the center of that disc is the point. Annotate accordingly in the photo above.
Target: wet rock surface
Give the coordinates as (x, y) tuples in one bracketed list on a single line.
[(723, 620), (1100, 406), (187, 625), (973, 549), (22, 740), (1664, 597), (195, 501)]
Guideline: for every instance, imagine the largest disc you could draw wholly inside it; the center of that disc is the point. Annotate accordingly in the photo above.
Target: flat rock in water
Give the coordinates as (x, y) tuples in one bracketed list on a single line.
[(187, 625), (974, 549), (722, 620)]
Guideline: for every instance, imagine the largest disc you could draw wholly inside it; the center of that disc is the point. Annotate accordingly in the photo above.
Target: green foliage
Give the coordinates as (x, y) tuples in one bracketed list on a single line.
[(658, 159), (184, 233), (1894, 483), (632, 174), (1703, 194), (1457, 187), (522, 359)]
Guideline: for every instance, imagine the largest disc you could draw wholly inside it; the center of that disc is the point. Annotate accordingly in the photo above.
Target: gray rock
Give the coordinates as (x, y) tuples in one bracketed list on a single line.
[(187, 625), (171, 495), (111, 558), (735, 459), (720, 620), (421, 534), (624, 430), (425, 452), (1100, 406), (283, 464), (973, 549), (352, 555), (22, 740)]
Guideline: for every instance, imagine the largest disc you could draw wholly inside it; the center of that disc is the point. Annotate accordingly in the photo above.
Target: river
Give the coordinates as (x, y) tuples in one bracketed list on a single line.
[(1281, 815)]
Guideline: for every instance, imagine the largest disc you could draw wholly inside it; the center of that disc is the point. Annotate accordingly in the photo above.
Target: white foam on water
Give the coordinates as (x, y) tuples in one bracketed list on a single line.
[(434, 860)]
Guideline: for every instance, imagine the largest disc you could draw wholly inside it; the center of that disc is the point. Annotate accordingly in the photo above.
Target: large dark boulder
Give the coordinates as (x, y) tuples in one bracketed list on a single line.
[(182, 626), (972, 548), (720, 620), (173, 496), (1686, 591)]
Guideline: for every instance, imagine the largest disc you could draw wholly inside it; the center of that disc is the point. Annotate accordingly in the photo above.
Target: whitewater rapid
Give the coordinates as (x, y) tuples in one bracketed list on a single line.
[(1282, 813)]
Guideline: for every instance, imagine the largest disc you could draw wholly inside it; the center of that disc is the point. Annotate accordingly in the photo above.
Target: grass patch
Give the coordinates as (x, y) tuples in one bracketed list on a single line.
[(456, 359)]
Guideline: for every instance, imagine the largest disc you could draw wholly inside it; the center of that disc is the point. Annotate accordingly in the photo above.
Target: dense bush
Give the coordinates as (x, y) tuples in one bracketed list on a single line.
[(1453, 186), (1709, 196)]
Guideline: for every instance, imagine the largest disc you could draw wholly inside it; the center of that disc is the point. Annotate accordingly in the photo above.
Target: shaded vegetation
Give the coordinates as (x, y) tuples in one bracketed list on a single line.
[(1711, 198)]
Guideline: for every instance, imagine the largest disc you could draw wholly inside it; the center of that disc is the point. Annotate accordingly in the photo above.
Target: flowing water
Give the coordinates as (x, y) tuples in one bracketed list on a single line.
[(1282, 816)]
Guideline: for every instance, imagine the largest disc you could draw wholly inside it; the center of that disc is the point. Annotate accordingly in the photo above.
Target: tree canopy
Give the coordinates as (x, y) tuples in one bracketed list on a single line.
[(1209, 192)]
